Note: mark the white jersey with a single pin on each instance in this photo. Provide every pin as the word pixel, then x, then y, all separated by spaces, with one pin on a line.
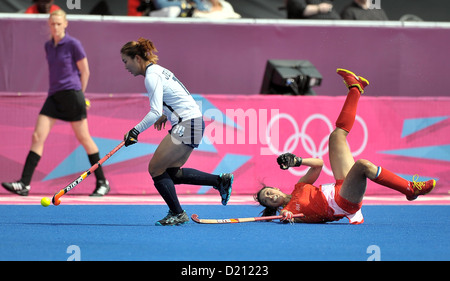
pixel 168 96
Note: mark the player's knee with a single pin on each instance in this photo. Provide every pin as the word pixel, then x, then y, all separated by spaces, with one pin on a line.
pixel 364 166
pixel 37 138
pixel 85 139
pixel 337 133
pixel 155 170
pixel 175 174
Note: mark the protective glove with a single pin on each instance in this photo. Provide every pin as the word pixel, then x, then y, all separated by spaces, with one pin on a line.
pixel 131 137
pixel 287 160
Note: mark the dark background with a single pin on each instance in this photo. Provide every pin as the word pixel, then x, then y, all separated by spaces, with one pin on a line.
pixel 430 10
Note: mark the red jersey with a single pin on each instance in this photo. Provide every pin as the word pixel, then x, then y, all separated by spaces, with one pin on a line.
pixel 311 201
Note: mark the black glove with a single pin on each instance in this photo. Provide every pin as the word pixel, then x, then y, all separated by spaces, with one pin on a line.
pixel 131 137
pixel 287 160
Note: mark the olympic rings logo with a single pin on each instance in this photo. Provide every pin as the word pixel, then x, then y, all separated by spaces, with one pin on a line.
pixel 307 142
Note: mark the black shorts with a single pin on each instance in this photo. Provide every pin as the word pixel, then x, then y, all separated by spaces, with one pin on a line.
pixel 189 132
pixel 67 105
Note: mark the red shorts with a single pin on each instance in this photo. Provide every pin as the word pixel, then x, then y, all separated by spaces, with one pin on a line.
pixel 344 203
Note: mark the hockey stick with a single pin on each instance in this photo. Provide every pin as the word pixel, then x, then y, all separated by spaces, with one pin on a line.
pixel 195 218
pixel 56 201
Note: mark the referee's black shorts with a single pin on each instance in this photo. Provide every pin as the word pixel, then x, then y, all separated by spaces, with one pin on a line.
pixel 67 105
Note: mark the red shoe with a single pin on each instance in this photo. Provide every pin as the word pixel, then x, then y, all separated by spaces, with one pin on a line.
pixel 420 187
pixel 352 80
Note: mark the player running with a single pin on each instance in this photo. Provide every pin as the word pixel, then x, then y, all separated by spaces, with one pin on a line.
pixel 331 202
pixel 170 100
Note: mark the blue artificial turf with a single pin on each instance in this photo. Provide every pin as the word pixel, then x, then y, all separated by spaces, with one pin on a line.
pixel 119 232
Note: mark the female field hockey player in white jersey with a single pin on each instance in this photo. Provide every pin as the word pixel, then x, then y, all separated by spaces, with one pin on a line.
pixel 170 100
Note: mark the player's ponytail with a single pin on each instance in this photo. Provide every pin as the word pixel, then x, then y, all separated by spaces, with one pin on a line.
pixel 143 48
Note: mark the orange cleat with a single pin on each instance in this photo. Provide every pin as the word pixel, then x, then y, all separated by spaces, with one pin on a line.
pixel 352 80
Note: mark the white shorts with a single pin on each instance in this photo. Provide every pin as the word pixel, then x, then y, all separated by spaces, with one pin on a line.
pixel 189 132
pixel 329 191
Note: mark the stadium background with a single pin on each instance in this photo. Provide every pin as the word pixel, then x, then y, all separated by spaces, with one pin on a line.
pixel 403 114
pixel 402 124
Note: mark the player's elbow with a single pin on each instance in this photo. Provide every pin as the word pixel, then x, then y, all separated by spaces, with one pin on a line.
pixel 316 163
pixel 156 113
pixel 320 162
pixel 84 75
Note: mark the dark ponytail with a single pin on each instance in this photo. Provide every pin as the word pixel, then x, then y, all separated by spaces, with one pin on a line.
pixel 268 211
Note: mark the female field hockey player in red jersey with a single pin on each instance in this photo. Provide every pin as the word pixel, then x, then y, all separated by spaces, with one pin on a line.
pixel 170 100
pixel 331 202
pixel 69 75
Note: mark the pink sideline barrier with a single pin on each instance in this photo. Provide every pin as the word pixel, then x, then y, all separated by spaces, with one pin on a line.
pixel 405 135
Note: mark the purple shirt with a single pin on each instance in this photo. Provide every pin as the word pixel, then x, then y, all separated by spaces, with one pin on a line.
pixel 62 64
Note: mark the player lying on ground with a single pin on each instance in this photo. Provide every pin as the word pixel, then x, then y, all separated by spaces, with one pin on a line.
pixel 170 100
pixel 331 202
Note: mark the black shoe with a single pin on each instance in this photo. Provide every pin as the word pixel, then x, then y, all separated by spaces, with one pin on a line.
pixel 173 219
pixel 224 188
pixel 17 187
pixel 101 189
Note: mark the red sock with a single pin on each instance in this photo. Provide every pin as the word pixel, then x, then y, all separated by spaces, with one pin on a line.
pixel 347 116
pixel 391 180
